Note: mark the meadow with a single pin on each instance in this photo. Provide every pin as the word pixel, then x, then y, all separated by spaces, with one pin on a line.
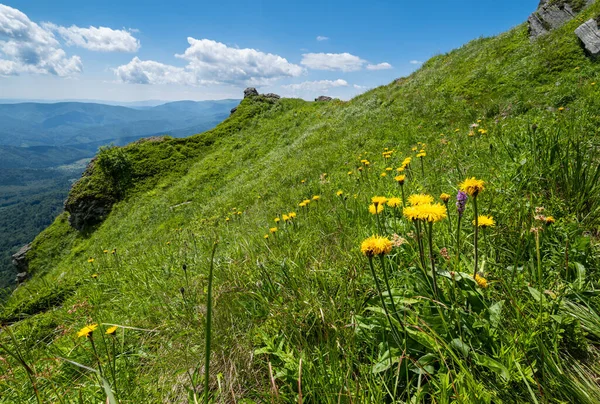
pixel 434 240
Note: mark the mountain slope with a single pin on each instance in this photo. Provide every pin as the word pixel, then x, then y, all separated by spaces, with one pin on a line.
pixel 297 313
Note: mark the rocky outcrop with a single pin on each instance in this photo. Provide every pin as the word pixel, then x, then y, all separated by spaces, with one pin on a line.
pixel 232 110
pixel 551 14
pixel 589 34
pixel 19 260
pixel 250 92
pixel 323 98
pixel 85 212
pixel 272 95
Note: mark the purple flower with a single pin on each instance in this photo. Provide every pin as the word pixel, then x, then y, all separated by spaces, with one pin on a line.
pixel 461 202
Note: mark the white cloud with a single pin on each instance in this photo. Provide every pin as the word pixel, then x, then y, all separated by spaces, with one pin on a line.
pixel 379 66
pixel 100 39
pixel 332 61
pixel 416 62
pixel 320 85
pixel 211 62
pixel 322 38
pixel 358 87
pixel 25 47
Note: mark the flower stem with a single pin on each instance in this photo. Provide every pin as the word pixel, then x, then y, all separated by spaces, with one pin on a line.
pixel 458 241
pixel 476 235
pixel 435 289
pixel 389 290
pixel 387 314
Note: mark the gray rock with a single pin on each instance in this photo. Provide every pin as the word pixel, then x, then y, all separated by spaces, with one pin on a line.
pixel 21 277
pixel 85 212
pixel 323 98
pixel 250 92
pixel 272 95
pixel 550 15
pixel 19 259
pixel 233 110
pixel 589 34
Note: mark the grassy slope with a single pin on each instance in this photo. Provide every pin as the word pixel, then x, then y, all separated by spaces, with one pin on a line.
pixel 297 294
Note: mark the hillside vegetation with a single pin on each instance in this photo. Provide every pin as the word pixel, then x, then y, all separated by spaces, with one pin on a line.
pixel 306 307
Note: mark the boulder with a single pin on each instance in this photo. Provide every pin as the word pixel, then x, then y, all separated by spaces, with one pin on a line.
pixel 85 212
pixel 272 95
pixel 233 110
pixel 250 92
pixel 19 259
pixel 551 14
pixel 323 98
pixel 589 34
pixel 21 277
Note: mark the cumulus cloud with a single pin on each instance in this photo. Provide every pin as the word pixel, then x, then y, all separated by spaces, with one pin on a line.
pixel 322 38
pixel 345 62
pixel 211 62
pixel 319 85
pixel 379 66
pixel 99 39
pixel 416 62
pixel 26 47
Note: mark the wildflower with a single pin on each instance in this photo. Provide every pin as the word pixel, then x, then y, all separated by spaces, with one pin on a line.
pixel 472 186
pixel 394 202
pixel 306 201
pixel 414 148
pixel 285 218
pixel 422 154
pixel 105 251
pixel 400 179
pixel 277 220
pixel 168 243
pixel 550 220
pixel 388 169
pixel 316 197
pixel 302 181
pixel 114 251
pixel 111 330
pixel 432 212
pixel 445 197
pixel 397 241
pixel 420 199
pixel 444 254
pixel 292 215
pixel 456 130
pixel 226 219
pixel 266 236
pixel 406 161
pixel 379 200
pixel 94 276
pixel 365 162
pixel 411 213
pixel 87 330
pixel 461 202
pixel 376 245
pixel 339 193
pixel 561 109
pixel 400 169
pixel 481 281
pixel 273 229
pixel 302 204
pixel 360 168
pixel 375 209
pixel 384 174
pixel 349 172
pixel 90 260
pixel 539 209
pixel 485 221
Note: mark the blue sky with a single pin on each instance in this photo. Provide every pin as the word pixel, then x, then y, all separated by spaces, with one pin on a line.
pixel 170 50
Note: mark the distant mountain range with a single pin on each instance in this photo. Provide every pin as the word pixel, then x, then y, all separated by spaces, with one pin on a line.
pixel 38 135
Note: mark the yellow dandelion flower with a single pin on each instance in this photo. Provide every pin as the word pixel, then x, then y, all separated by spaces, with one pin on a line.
pixel 114 251
pixel 285 218
pixel 360 168
pixel 105 251
pixel 561 109
pixel 350 172
pixel 400 179
pixel 485 221
pixel 316 197
pixel 550 219
pixel 266 236
pixel 375 209
pixel 292 215
pixel 420 199
pixel 365 162
pixel 432 212
pixel 302 181
pixel 302 204
pixel 376 245
pixel 339 193
pixel 94 276
pixel 306 201
pixel 400 169
pixel 379 200
pixel 384 174
pixel 422 154
pixel 411 213
pixel 111 330
pixel 388 169
pixel 406 161
pixel 456 130
pixel 445 197
pixel 90 260
pixel 273 229
pixel 394 202
pixel 87 330
pixel 277 220
pixel 226 219
pixel 168 243
pixel 481 281
pixel 472 186
pixel 414 148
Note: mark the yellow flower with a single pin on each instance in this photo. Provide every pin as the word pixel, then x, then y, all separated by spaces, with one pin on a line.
pixel 302 204
pixel 273 229
pixel 379 200
pixel 481 281
pixel 456 130
pixel 485 221
pixel 376 245
pixel 285 218
pixel 316 197
pixel 414 148
pixel 406 161
pixel 292 215
pixel 400 169
pixel 384 174
pixel 306 201
pixel 550 219
pixel 400 179
pixel 411 213
pixel 302 181
pixel 561 109
pixel 339 193
pixel 394 202
pixel 276 220
pixel 360 168
pixel 432 212
pixel 87 330
pixel 365 162
pixel 349 172
pixel 472 186
pixel 114 251
pixel 422 154
pixel 420 199
pixel 266 236
pixel 90 260
pixel 94 276
pixel 105 251
pixel 111 330
pixel 445 197
pixel 226 219
pixel 388 169
pixel 375 209
pixel 168 243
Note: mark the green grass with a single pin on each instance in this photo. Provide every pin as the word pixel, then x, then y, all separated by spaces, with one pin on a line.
pixel 298 315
